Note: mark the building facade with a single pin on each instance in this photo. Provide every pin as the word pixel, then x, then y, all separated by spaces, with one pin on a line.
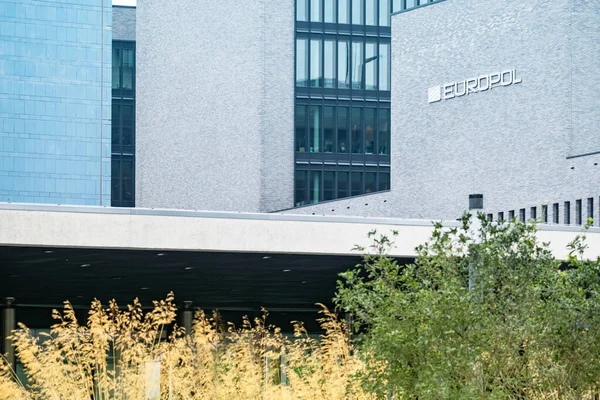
pixel 55 65
pixel 498 99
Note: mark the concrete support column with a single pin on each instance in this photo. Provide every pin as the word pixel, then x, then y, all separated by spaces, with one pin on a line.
pixel 186 316
pixel 9 323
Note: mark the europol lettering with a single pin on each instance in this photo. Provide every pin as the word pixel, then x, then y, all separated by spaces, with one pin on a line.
pixel 478 84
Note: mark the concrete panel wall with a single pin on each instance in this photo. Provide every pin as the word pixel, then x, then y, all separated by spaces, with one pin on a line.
pixel 511 143
pixel 55 82
pixel 123 23
pixel 214 105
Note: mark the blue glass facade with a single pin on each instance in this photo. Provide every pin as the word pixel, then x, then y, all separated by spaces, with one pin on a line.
pixel 55 101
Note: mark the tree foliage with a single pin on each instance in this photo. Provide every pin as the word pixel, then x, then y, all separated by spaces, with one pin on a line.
pixel 484 312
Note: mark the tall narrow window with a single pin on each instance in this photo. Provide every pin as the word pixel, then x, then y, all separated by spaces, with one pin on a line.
pixel 371 12
pixel 397 5
pixel 115 167
pixel 329 72
pixel 315 129
pixel 590 208
pixel 301 129
pixel 384 181
pixel 567 211
pixel 357 65
pixel 127 181
pixel 315 10
pixel 316 67
pixel 128 63
pixel 329 11
pixel 522 215
pixel 545 213
pixel 578 212
pixel 411 4
pixel 384 12
pixel 357 183
pixel 301 10
pixel 370 120
pixel 302 62
pixel 342 130
pixel 555 213
pixel 384 67
pixel 315 187
pixel 357 12
pixel 500 216
pixel 533 213
pixel 384 131
pixel 343 77
pixel 328 127
pixel 301 183
pixel 328 185
pixel 490 217
pixel 116 69
pixel 127 124
pixel 357 133
pixel 116 125
pixel 370 182
pixel 344 11
pixel 371 66
pixel 511 214
pixel 343 184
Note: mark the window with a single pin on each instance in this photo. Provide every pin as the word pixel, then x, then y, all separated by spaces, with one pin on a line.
pixel 122 181
pixel 500 216
pixel 423 2
pixel 329 73
pixel 330 11
pixel 301 129
pixel 371 12
pixel 116 68
pixel 357 12
pixel 567 210
pixel 545 214
pixel 578 212
pixel 490 217
pixel 301 10
pixel 302 62
pixel 522 215
pixel 533 213
pixel 357 183
pixel 315 129
pixel 384 67
pixel 357 135
pixel 370 119
pixel 328 185
pixel 384 131
pixel 357 65
pixel 301 186
pixel 397 5
pixel 342 129
pixel 344 11
pixel 384 181
pixel 411 4
pixel 127 124
pixel 128 63
pixel 384 12
pixel 555 213
pixel 370 182
pixel 370 66
pixel 315 187
pixel 315 10
pixel 343 186
pixel 590 208
pixel 328 129
pixel 511 214
pixel 343 77
pixel 316 72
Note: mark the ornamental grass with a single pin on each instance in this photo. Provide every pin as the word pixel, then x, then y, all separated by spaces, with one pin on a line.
pixel 132 354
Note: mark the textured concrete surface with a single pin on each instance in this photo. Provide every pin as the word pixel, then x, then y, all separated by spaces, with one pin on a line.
pixel 123 23
pixel 511 143
pixel 214 123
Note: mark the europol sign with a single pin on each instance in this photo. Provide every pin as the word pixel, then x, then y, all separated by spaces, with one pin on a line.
pixel 477 84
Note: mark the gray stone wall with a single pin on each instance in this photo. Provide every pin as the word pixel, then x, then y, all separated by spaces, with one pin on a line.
pixel 123 23
pixel 510 143
pixel 214 123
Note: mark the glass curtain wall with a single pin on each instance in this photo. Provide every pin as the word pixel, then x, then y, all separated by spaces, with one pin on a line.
pixel 123 125
pixel 343 82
